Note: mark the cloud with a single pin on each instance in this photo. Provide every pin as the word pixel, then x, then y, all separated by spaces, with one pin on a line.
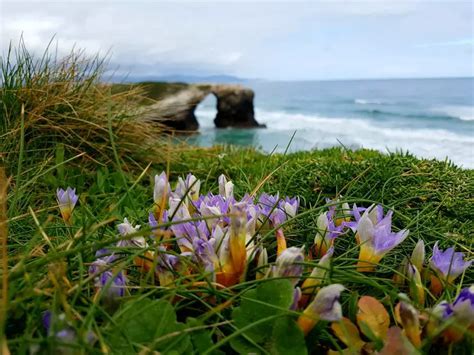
pixel 197 35
pixel 459 42
pixel 246 38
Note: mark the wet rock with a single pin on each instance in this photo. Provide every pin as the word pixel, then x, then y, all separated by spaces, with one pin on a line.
pixel 234 107
pixel 177 111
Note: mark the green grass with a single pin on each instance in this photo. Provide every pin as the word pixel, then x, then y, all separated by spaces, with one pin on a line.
pixel 438 191
pixel 60 126
pixel 433 199
pixel 48 100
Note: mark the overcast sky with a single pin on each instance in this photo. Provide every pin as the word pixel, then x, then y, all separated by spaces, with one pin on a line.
pixel 265 39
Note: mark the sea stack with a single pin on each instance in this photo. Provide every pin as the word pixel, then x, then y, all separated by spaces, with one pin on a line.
pixel 234 107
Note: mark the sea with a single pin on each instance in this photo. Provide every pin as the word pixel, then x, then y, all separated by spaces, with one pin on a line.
pixel 430 118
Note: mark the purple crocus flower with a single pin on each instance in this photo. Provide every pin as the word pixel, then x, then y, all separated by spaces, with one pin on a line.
pixel 376 239
pixel 247 204
pixel 375 215
pixel 58 327
pixel 188 189
pixel 103 258
pixel 125 229
pixel 327 232
pixel 267 204
pixel 463 306
pixel 220 242
pixel 226 188
pixel 166 261
pixel 289 264
pixel 153 223
pixel 466 295
pixel 161 189
pixel 441 311
pixel 318 273
pixel 460 313
pixel 167 266
pixel 67 200
pixel 325 306
pixel 186 232
pixel 47 315
pixel 448 264
pixel 278 217
pixel 205 256
pixel 296 299
pixel 214 205
pixel 290 206
pixel 277 210
pixel 157 232
pixel 344 211
pixel 114 283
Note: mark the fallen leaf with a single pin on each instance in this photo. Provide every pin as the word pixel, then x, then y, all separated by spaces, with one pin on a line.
pixel 372 318
pixel 348 333
pixel 397 344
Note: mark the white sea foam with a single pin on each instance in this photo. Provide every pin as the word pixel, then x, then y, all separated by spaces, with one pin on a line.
pixel 313 131
pixel 368 102
pixel 325 131
pixel 465 113
pixel 205 116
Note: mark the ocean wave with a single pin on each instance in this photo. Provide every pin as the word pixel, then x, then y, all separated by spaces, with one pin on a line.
pixel 370 102
pixel 288 121
pixel 357 132
pixel 435 115
pixel 315 131
pixel 464 113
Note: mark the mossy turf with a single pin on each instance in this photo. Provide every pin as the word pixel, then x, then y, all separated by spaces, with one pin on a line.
pixel 434 199
pixel 440 192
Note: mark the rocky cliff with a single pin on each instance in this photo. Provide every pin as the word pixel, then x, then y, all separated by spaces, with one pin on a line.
pixel 234 107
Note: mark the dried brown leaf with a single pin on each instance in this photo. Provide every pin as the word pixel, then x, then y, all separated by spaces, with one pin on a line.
pixel 372 318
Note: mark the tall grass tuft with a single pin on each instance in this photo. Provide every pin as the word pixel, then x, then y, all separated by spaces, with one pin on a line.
pixel 46 100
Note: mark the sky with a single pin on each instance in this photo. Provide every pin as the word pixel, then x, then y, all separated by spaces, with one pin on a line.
pixel 274 40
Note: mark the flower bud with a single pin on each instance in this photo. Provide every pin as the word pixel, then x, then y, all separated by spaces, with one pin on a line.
pixel 408 316
pixel 125 229
pixel 417 291
pixel 325 306
pixel 262 264
pixel 226 188
pixel 318 274
pixel 418 255
pixel 67 200
pixel 447 266
pixel 161 190
pixel 289 264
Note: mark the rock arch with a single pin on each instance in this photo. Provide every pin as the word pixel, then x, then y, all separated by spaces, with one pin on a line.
pixel 235 107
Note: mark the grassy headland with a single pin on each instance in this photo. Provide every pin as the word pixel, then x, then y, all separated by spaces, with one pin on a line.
pixel 62 127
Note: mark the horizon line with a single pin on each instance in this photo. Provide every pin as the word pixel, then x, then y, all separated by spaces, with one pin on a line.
pixel 156 78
